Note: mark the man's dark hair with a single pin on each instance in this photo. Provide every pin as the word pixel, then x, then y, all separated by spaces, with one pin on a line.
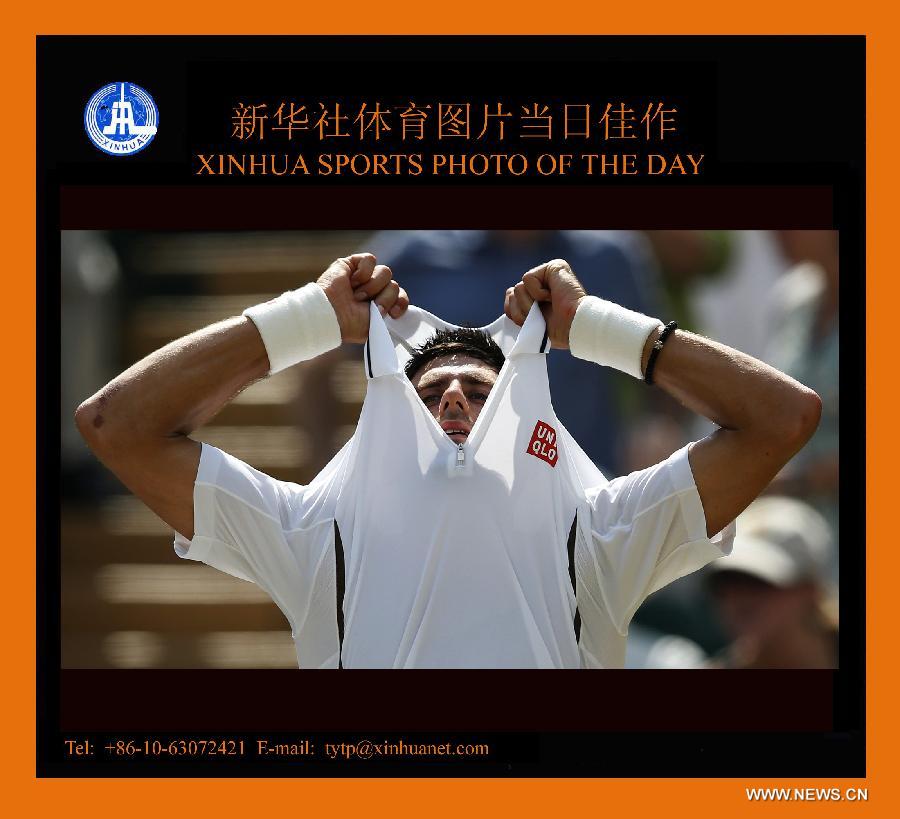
pixel 460 341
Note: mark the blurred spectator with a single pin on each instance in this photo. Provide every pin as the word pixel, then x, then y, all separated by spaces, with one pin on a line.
pixel 686 258
pixel 647 648
pixel 462 275
pixel 805 344
pixel 735 306
pixel 89 276
pixel 772 592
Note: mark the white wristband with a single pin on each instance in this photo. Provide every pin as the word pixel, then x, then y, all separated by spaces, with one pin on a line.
pixel 296 326
pixel 611 335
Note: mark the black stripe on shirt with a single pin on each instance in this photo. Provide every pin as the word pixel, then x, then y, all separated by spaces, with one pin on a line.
pixel 571 548
pixel 339 583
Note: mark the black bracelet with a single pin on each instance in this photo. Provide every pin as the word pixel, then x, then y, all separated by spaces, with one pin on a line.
pixel 657 346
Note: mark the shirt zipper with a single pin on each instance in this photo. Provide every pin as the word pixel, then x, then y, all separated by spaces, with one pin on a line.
pixel 460 456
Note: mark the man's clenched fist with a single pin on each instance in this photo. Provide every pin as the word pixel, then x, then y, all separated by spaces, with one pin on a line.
pixel 351 283
pixel 559 292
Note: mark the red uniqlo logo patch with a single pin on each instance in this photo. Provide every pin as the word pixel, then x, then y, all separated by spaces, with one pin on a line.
pixel 543 443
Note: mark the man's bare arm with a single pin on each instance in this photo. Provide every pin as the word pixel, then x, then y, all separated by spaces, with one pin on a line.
pixel 138 424
pixel 765 417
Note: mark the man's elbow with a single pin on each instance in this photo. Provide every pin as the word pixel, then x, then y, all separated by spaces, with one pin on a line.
pixel 802 419
pixel 88 420
pixel 93 421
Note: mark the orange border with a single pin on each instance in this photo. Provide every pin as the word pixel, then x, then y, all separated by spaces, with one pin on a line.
pixel 138 798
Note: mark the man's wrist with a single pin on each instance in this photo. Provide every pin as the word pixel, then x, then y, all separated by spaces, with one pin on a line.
pixel 648 347
pixel 296 326
pixel 611 335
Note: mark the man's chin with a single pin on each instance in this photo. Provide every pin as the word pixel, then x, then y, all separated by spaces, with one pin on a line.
pixel 459 437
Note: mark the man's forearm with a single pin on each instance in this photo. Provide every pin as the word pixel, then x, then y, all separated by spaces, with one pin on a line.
pixel 731 389
pixel 180 387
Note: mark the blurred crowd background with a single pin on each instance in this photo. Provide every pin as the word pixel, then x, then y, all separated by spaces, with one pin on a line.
pixel 129 602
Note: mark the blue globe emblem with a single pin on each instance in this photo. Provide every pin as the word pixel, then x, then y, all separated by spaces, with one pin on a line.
pixel 121 118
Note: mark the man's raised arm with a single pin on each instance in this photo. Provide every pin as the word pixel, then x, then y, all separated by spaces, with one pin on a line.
pixel 138 424
pixel 764 416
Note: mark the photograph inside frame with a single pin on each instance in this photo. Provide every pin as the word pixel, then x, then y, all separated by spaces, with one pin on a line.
pixel 560 532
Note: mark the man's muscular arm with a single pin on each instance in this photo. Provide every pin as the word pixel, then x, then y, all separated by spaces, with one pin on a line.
pixel 764 416
pixel 138 424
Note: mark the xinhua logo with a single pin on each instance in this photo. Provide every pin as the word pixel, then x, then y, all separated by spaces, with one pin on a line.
pixel 121 118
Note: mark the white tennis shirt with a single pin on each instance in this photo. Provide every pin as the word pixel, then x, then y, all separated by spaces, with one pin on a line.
pixel 454 556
